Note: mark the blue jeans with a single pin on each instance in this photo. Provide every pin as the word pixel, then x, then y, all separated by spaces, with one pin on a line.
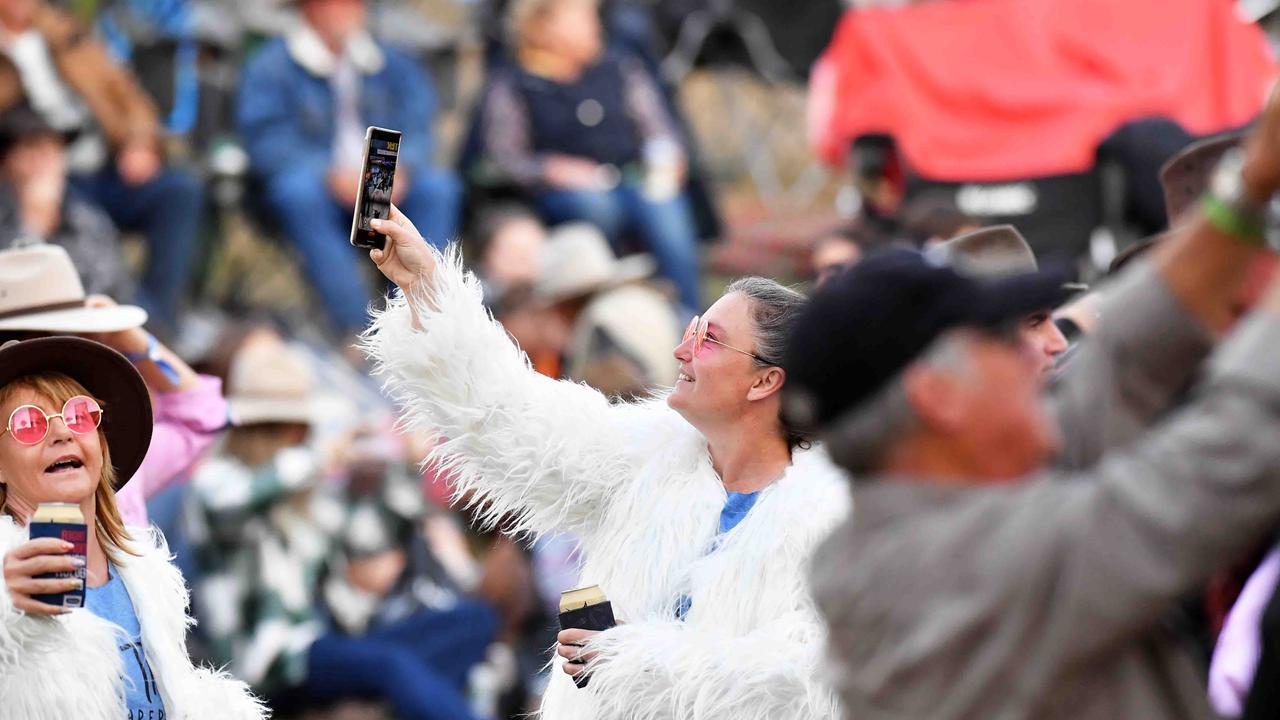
pixel 665 227
pixel 320 228
pixel 167 210
pixel 419 664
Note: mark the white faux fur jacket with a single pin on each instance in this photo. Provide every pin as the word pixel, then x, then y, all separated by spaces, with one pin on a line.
pixel 634 483
pixel 54 668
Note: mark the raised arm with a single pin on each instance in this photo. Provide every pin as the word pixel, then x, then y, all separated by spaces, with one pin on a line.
pixel 551 452
pixel 1139 362
pixel 1156 520
pixel 1157 325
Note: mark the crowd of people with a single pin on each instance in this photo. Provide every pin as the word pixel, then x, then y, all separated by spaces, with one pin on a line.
pixel 941 479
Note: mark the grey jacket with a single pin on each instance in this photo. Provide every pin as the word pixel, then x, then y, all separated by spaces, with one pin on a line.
pixel 1046 599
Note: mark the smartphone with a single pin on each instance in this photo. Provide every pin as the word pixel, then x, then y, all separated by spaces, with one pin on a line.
pixel 373 197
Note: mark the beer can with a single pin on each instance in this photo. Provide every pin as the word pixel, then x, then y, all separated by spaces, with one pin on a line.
pixel 63 521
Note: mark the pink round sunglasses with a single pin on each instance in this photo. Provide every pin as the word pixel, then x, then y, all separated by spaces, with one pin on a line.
pixel 29 424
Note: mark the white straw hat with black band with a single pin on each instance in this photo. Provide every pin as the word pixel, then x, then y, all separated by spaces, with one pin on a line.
pixel 40 290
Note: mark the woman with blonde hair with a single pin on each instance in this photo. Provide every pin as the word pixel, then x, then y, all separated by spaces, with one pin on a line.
pixel 78 420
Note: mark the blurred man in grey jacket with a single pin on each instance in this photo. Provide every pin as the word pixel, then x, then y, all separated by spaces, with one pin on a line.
pixel 1005 561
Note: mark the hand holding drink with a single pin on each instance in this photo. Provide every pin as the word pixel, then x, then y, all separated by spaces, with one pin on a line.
pixel 584 613
pixel 45 576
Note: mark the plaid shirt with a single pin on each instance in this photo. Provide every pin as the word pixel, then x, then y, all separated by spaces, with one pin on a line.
pixel 384 508
pixel 264 537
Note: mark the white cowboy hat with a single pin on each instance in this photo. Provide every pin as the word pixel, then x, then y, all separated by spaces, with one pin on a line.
pixel 40 290
pixel 576 261
pixel 635 322
pixel 269 382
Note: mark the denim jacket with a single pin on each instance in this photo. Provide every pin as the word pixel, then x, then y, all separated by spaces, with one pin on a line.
pixel 285 113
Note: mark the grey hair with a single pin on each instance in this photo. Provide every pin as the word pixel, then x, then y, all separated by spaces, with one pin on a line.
pixel 860 439
pixel 774 310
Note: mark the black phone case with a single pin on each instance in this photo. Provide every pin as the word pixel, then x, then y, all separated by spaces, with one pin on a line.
pixel 367 239
pixel 591 617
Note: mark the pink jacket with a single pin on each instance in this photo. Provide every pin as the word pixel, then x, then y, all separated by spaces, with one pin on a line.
pixel 186 423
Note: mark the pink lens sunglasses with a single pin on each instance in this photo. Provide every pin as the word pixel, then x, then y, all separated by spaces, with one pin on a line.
pixel 29 424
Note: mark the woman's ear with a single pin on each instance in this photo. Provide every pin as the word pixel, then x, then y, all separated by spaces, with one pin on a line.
pixel 767 383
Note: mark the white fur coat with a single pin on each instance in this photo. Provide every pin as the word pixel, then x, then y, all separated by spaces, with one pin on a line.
pixel 53 668
pixel 635 483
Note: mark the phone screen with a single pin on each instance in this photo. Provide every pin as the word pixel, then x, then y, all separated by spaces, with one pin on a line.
pixel 373 200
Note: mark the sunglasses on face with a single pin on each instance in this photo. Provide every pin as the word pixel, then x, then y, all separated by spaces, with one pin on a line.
pixel 29 425
pixel 698 331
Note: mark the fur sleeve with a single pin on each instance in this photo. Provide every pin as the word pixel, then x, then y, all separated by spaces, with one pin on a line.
pixel 222 697
pixel 551 452
pixel 660 670
pixel 18 631
pixel 35 652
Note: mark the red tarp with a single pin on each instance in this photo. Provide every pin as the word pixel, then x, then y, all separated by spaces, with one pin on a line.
pixel 1000 89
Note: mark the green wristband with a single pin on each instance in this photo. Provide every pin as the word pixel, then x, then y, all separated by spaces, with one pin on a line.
pixel 1246 227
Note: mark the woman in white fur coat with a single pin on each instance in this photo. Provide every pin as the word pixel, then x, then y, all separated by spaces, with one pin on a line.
pixel 77 416
pixel 697 512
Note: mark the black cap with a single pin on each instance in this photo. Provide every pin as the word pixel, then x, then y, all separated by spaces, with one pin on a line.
pixel 869 323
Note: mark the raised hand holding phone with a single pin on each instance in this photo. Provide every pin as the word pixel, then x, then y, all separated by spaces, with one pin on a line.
pixel 406 259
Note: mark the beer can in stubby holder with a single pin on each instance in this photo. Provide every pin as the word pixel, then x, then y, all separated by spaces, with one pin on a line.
pixel 65 522
pixel 585 609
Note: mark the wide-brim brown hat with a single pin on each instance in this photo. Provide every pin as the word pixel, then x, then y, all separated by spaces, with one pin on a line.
pixel 995 252
pixel 1185 177
pixel 112 380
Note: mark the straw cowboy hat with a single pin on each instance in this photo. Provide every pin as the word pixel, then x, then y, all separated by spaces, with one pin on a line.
pixel 40 290
pixel 270 383
pixel 576 261
pixel 107 375
pixel 995 252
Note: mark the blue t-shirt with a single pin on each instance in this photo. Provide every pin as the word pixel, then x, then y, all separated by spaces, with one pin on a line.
pixel 736 507
pixel 111 602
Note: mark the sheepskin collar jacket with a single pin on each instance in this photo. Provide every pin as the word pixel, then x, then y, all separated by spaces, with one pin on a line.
pixel 53 668
pixel 635 484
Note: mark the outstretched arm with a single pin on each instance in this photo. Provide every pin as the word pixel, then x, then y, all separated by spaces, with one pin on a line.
pixel 1154 520
pixel 1158 323
pixel 551 452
